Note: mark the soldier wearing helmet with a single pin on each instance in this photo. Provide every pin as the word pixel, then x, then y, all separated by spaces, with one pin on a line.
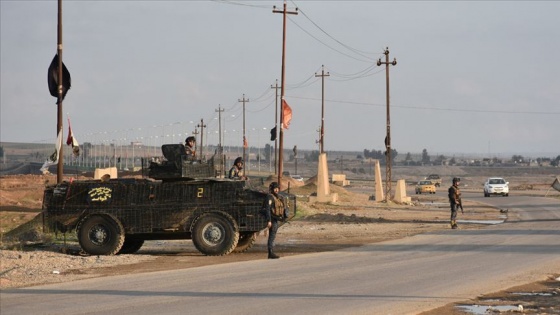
pixel 235 171
pixel 454 201
pixel 190 149
pixel 274 210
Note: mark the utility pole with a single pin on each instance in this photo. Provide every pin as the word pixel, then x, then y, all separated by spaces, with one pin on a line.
pixel 219 111
pixel 244 100
pixel 388 136
pixel 276 87
pixel 284 11
pixel 201 126
pixel 322 137
pixel 60 170
pixel 195 133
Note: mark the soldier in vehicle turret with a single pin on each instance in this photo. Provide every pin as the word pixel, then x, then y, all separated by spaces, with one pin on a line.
pixel 236 170
pixel 190 149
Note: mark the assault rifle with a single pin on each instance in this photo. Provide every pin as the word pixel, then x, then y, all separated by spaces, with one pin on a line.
pixel 461 206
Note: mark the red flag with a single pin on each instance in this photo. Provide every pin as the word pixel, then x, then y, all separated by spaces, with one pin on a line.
pixel 71 140
pixel 245 144
pixel 286 114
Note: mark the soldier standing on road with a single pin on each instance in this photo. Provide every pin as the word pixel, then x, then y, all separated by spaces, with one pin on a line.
pixel 454 200
pixel 190 149
pixel 234 172
pixel 274 210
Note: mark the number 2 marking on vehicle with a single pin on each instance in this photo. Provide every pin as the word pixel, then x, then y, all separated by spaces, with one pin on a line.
pixel 200 192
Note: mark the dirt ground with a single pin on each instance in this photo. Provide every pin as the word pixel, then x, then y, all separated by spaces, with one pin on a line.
pixel 29 258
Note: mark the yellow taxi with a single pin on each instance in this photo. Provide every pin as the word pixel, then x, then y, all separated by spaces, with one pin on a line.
pixel 425 186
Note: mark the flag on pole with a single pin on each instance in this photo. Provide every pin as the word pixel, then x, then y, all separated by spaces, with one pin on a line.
pixel 287 114
pixel 273 134
pixel 71 140
pixel 53 158
pixel 245 143
pixel 52 78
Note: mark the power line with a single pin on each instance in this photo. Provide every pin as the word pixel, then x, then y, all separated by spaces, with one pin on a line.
pixel 261 6
pixel 356 51
pixel 431 108
pixel 338 51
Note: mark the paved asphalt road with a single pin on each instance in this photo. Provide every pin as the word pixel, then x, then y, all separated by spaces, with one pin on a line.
pixel 404 276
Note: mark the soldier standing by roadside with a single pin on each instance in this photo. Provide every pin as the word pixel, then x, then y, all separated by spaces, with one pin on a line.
pixel 454 200
pixel 274 210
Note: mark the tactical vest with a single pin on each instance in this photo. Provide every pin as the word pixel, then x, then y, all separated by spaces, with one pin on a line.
pixel 278 209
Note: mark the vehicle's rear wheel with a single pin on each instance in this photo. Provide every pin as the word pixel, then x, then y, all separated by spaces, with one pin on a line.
pixel 215 234
pixel 246 241
pixel 101 235
pixel 131 246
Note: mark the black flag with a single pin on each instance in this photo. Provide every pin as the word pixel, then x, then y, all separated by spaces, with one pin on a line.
pixel 273 134
pixel 52 78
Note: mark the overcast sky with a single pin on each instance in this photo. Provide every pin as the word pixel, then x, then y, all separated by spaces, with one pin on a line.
pixel 471 76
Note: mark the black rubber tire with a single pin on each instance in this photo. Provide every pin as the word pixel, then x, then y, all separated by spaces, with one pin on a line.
pixel 101 235
pixel 131 246
pixel 215 234
pixel 246 241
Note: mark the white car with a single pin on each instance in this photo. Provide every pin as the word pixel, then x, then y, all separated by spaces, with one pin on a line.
pixel 298 178
pixel 496 186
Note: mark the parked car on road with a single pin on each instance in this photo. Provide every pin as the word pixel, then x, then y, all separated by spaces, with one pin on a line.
pixel 435 179
pixel 298 178
pixel 496 186
pixel 425 186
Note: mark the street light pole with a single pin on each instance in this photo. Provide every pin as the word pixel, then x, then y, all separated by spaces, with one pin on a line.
pixel 219 110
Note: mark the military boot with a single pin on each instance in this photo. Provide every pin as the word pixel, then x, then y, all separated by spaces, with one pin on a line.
pixel 272 255
pixel 454 224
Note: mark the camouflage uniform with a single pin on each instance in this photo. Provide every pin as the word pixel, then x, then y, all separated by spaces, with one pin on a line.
pixel 234 173
pixel 189 148
pixel 191 154
pixel 454 201
pixel 236 169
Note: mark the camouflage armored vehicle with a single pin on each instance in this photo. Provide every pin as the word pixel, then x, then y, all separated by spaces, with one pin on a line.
pixel 116 216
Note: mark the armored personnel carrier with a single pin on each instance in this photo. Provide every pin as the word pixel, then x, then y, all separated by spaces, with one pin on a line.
pixel 180 200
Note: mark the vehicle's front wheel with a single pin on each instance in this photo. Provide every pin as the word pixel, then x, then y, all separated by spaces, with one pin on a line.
pixel 215 234
pixel 246 241
pixel 101 235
